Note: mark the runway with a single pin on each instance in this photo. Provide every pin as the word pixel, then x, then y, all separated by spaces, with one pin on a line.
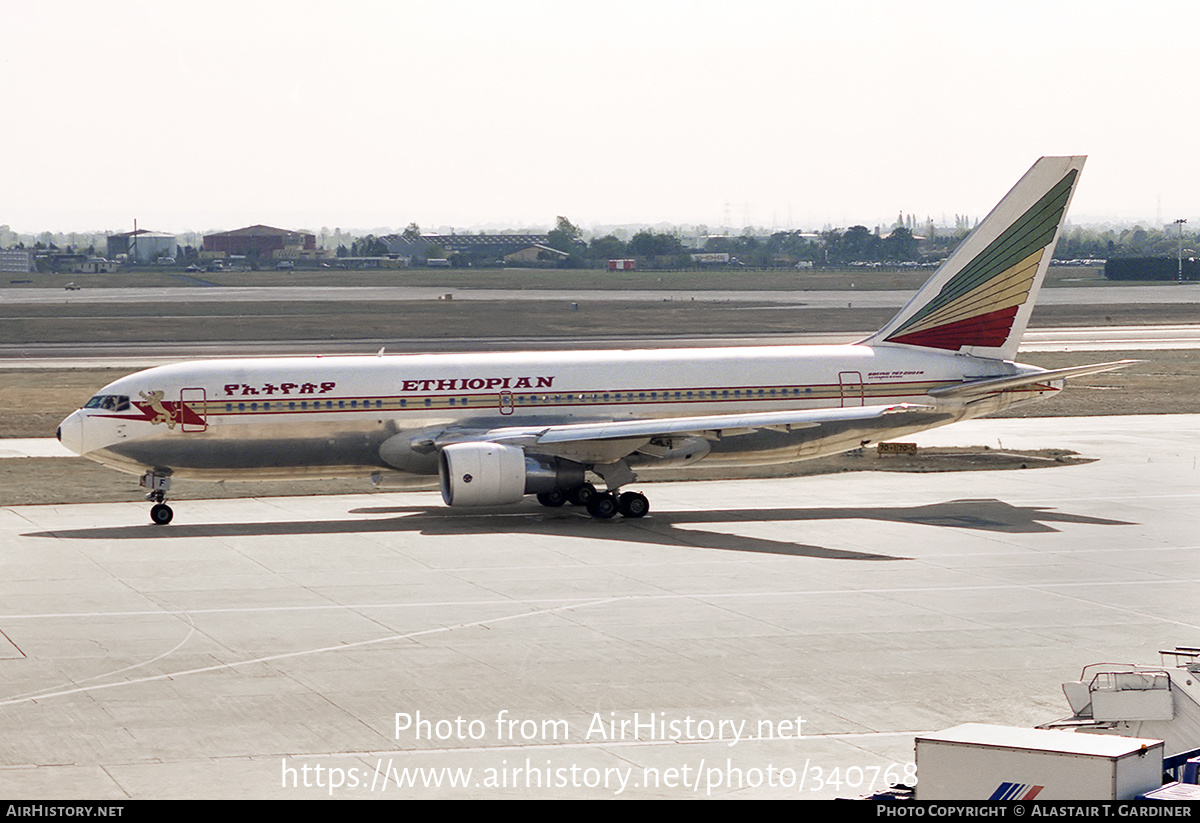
pixel 820 298
pixel 774 638
pixel 143 355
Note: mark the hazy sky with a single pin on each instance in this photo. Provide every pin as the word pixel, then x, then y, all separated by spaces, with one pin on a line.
pixel 215 114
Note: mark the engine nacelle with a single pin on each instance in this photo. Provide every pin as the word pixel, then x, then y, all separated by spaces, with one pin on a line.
pixel 492 474
pixel 482 474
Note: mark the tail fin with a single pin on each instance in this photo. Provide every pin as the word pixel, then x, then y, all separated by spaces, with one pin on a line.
pixel 980 299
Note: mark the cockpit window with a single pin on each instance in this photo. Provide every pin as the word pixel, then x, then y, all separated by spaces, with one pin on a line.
pixel 108 402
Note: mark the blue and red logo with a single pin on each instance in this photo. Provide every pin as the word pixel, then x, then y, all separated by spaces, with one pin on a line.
pixel 1016 791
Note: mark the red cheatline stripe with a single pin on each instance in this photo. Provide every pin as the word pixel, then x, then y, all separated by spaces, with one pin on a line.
pixel 989 329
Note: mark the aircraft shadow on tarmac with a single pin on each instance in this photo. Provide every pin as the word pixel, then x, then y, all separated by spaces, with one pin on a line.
pixel 666 528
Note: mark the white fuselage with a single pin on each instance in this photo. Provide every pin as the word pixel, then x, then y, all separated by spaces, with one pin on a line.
pixel 276 418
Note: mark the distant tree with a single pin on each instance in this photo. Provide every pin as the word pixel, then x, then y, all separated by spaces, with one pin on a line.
pixel 900 245
pixel 369 246
pixel 642 244
pixel 565 236
pixel 858 243
pixel 831 246
pixel 650 244
pixel 749 249
pixel 608 247
pixel 788 247
pixel 412 232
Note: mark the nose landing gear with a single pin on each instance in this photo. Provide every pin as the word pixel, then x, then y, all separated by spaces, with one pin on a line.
pixel 161 514
pixel 159 485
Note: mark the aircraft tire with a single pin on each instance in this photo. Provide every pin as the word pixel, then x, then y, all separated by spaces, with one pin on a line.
pixel 582 495
pixel 602 506
pixel 633 504
pixel 553 499
pixel 161 514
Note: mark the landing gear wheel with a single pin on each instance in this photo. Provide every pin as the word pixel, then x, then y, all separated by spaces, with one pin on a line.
pixel 582 495
pixel 633 504
pixel 603 506
pixel 553 499
pixel 161 514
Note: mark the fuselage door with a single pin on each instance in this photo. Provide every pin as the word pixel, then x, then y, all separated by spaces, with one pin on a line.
pixel 852 388
pixel 193 410
pixel 506 402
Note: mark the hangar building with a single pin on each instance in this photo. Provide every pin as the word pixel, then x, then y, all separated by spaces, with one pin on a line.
pixel 261 243
pixel 142 245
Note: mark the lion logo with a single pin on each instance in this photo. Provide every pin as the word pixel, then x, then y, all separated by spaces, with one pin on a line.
pixel 154 400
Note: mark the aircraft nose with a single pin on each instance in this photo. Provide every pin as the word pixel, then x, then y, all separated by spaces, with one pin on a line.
pixel 70 432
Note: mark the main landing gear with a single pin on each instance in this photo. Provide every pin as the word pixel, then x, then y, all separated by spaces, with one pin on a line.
pixel 607 505
pixel 601 505
pixel 159 485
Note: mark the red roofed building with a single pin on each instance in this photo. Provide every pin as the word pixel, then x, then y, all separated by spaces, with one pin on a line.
pixel 261 242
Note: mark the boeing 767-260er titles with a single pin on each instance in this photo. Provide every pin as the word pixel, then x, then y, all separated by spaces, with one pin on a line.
pixel 498 426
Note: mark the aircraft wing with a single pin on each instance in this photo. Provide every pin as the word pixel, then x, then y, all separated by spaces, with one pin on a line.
pixel 974 388
pixel 715 425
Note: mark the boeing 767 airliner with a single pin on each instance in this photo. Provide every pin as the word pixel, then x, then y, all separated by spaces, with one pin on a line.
pixel 498 426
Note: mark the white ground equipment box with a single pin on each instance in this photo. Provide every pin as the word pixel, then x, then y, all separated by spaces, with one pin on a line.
pixel 980 762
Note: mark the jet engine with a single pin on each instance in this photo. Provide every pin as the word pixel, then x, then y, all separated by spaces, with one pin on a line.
pixel 492 474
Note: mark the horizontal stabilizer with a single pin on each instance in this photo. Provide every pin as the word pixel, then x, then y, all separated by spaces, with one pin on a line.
pixel 991 385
